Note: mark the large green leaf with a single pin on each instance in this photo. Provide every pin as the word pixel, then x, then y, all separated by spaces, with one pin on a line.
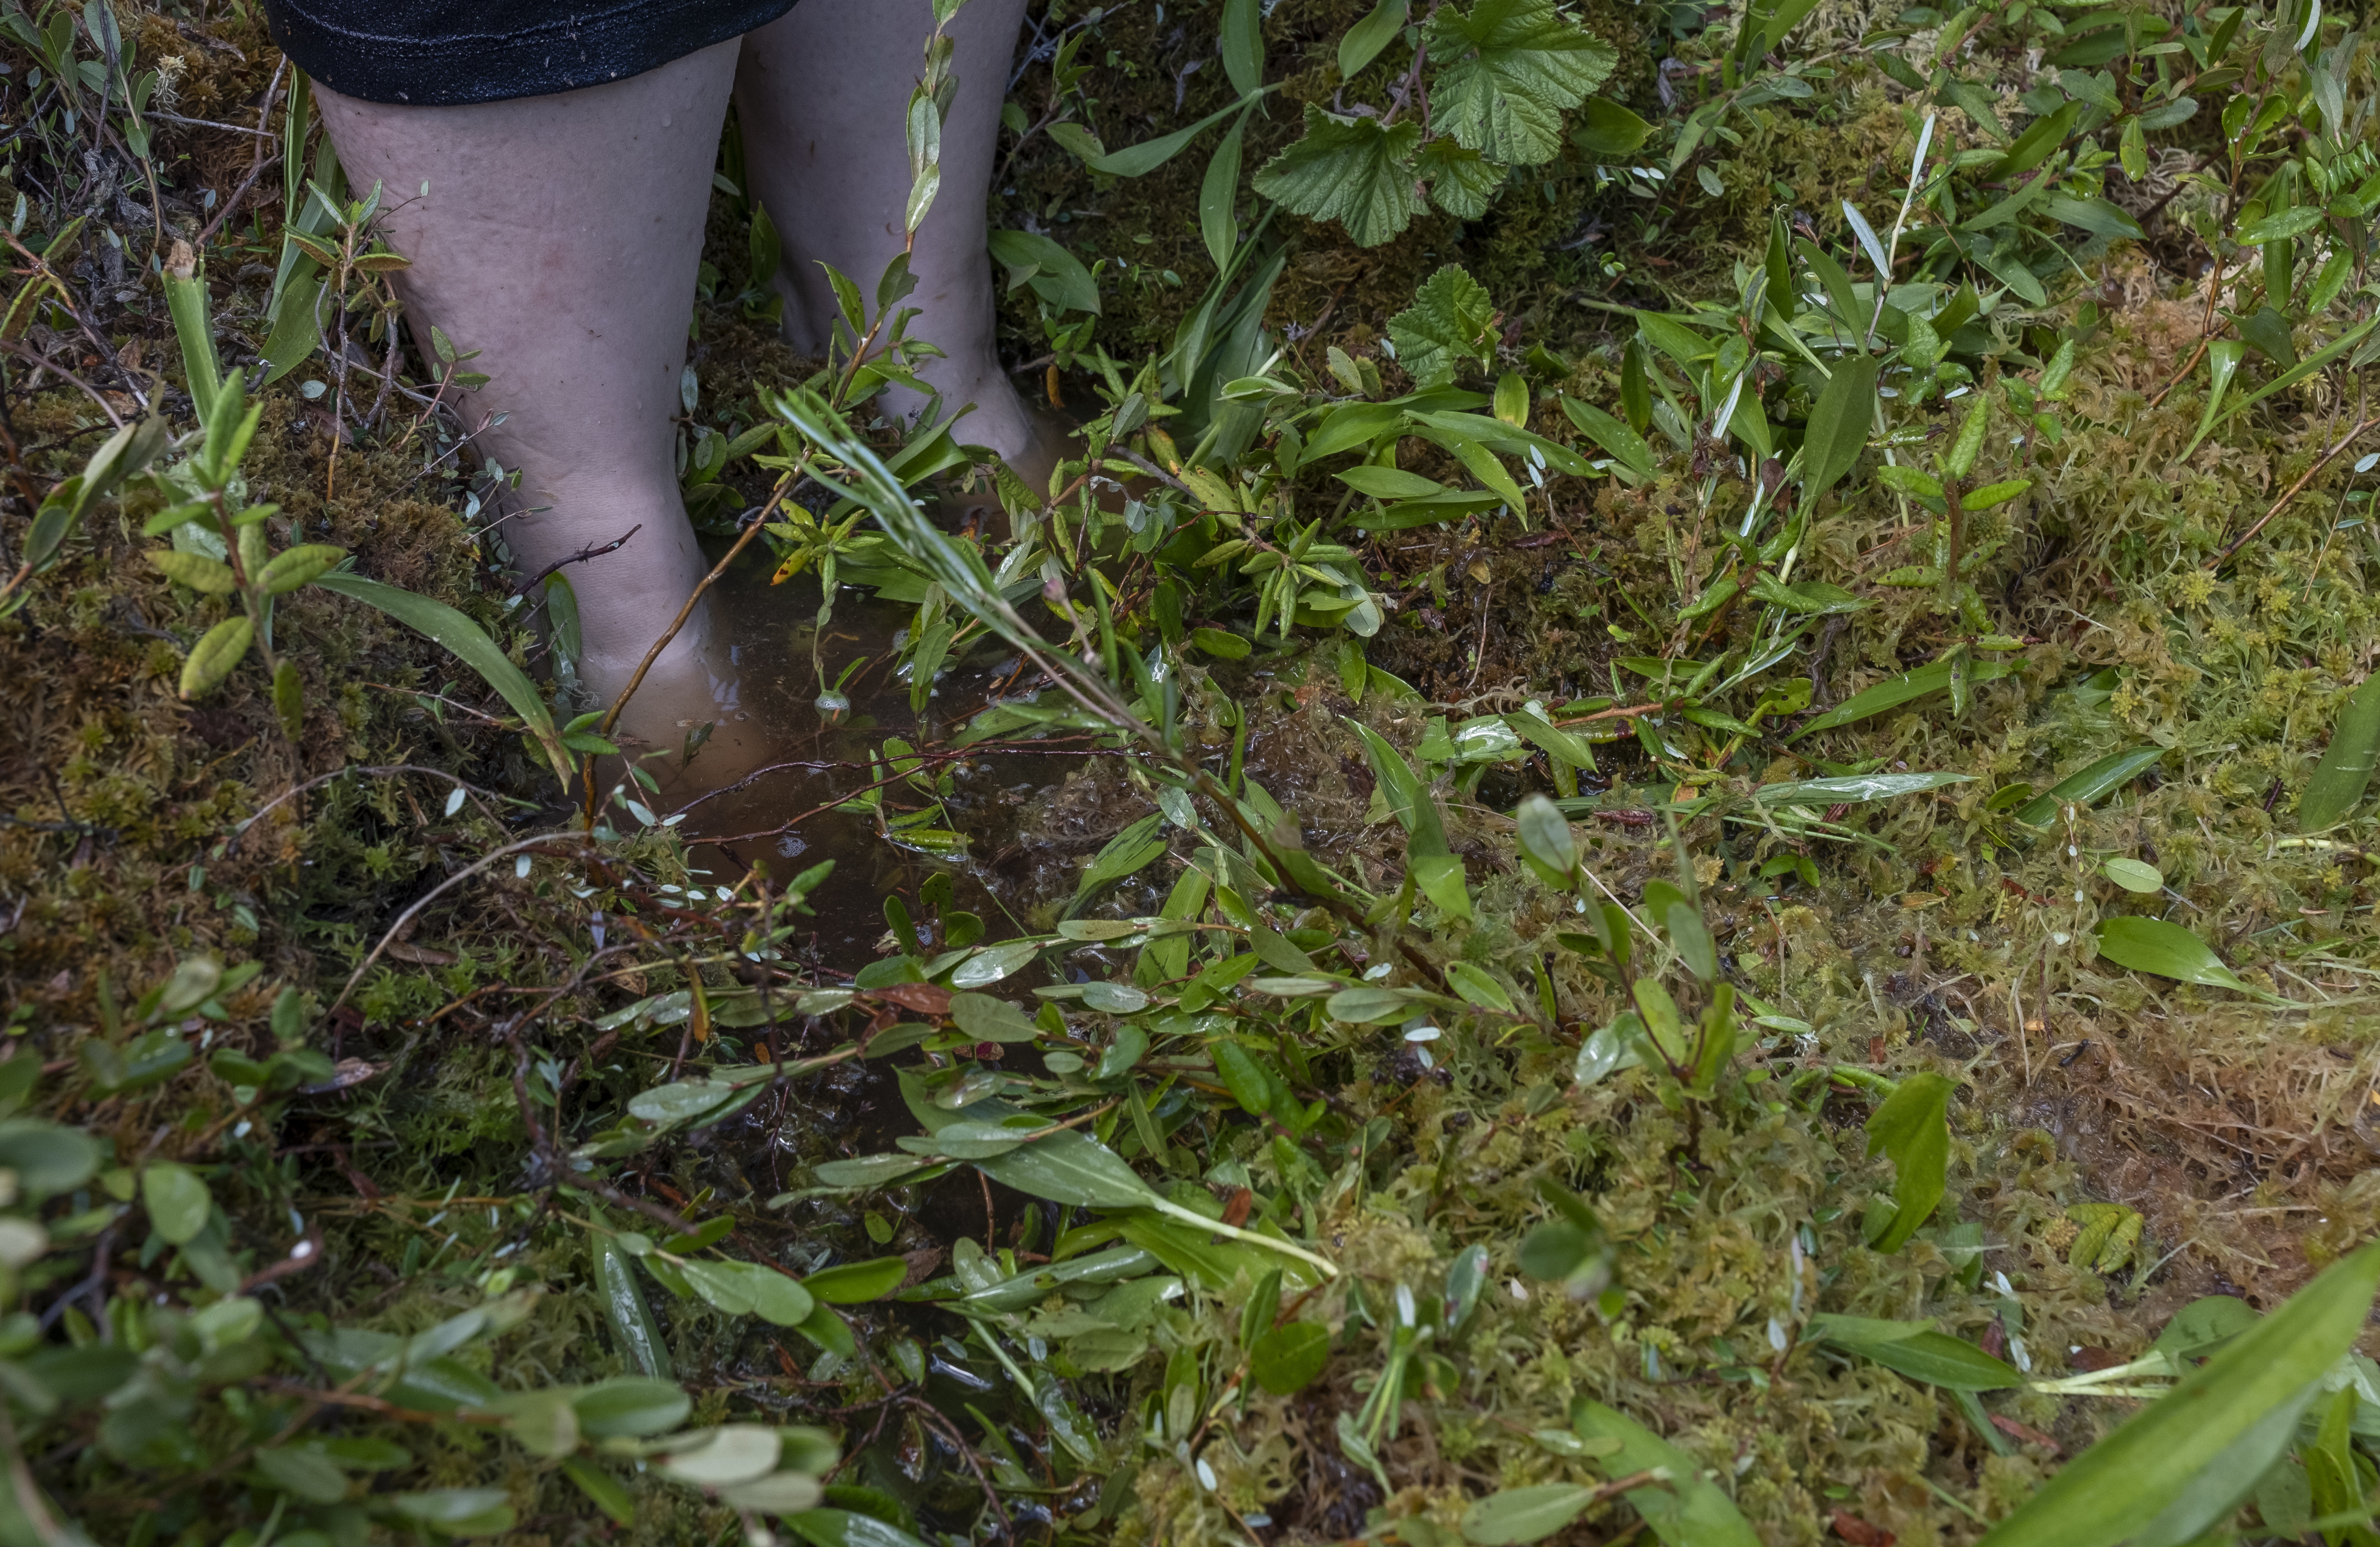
pixel 1355 171
pixel 1893 691
pixel 2167 949
pixel 1912 1128
pixel 2187 1460
pixel 839 1528
pixel 1689 1510
pixel 1517 1515
pixel 468 643
pixel 1506 72
pixel 1917 1350
pixel 1840 423
pixel 2345 767
pixel 2090 785
pixel 1451 321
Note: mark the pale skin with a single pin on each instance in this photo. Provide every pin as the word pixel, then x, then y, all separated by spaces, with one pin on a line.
pixel 559 237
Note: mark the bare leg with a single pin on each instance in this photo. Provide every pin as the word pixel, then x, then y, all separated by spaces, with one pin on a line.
pixel 560 236
pixel 820 93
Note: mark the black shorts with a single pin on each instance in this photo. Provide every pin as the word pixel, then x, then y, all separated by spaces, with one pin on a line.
pixel 435 53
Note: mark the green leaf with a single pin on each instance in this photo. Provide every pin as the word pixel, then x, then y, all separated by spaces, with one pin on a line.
pixel 207 577
pixel 1916 1350
pixel 1517 1515
pixel 297 565
pixel 1840 423
pixel 1895 691
pixel 719 1457
pixel 1606 128
pixel 2090 785
pixel 871 1170
pixel 838 1527
pixel 604 1490
pixel 1476 987
pixel 1368 1004
pixel 1450 322
pixel 217 651
pixel 2282 226
pixel 2188 1460
pixel 2134 875
pixel 468 643
pixel 1912 1128
pixel 629 1406
pixel 1134 161
pixel 1056 275
pixel 1222 643
pixel 2340 779
pixel 1355 171
pixel 1127 852
pixel 1288 1358
pixel 1506 72
pixel 1363 42
pixel 988 1018
pixel 1545 842
pixel 1389 483
pixel 2167 949
pixel 1854 788
pixel 1992 494
pixel 857 1282
pixel 1219 197
pixel 302 1473
pixel 2095 216
pixel 1689 1510
pixel 1242 45
pixel 177 1201
pixel 456 1511
pixel 1461 181
pixel 1070 1168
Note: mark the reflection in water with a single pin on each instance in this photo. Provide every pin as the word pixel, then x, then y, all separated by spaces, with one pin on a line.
pixel 823 792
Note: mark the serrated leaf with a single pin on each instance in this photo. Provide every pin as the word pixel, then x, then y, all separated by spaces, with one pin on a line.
pixel 1461 180
pixel 1451 321
pixel 1506 72
pixel 1355 171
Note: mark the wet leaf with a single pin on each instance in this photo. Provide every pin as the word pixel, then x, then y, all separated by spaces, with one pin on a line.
pixel 2167 949
pixel 995 962
pixel 839 1528
pixel 988 1018
pixel 857 1282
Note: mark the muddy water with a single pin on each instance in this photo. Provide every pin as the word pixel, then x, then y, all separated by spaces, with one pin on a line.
pixel 791 815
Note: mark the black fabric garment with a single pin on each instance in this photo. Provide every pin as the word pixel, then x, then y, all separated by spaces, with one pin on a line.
pixel 441 52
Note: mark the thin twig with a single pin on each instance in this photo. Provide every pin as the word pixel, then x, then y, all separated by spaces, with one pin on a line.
pixel 2294 491
pixel 591 552
pixel 752 530
pixel 255 168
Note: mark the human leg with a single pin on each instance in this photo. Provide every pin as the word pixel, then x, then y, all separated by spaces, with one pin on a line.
pixel 559 237
pixel 820 93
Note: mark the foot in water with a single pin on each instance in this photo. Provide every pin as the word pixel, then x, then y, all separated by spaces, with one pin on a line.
pixel 556 240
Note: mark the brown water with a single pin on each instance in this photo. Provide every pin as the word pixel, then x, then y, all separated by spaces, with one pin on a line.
pixel 786 816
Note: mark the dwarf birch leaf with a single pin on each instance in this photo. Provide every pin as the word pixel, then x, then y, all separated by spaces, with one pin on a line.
pixel 1350 170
